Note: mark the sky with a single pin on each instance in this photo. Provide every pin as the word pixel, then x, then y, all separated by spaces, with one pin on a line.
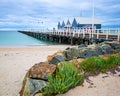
pixel 45 14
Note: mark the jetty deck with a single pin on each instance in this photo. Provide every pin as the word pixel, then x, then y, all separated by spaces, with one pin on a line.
pixel 76 36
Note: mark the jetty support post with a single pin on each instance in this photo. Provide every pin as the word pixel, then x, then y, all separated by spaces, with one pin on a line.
pixel 98 34
pixel 108 31
pixel 60 39
pixel 71 37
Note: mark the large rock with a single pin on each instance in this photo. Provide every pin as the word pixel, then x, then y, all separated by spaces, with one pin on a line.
pixel 36 77
pixel 33 86
pixel 41 70
pixel 57 59
pixel 114 45
pixel 92 50
pixel 88 53
pixel 71 53
pixel 82 45
pixel 50 57
pixel 98 50
pixel 106 49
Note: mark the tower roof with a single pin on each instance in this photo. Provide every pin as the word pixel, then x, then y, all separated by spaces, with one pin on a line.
pixel 81 20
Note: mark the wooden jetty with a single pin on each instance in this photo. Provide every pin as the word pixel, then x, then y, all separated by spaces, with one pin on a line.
pixel 76 36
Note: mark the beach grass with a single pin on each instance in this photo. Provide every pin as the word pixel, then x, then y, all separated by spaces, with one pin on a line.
pixel 66 76
pixel 98 64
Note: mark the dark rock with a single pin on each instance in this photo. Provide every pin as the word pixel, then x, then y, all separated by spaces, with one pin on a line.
pixel 32 86
pixel 71 53
pixel 33 80
pixel 50 57
pixel 88 53
pixel 106 49
pixel 99 50
pixel 114 45
pixel 57 59
pixel 67 48
pixel 82 45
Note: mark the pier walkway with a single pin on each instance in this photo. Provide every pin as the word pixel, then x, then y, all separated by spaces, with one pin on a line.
pixel 76 36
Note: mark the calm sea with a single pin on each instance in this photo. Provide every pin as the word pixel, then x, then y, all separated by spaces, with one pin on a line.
pixel 14 38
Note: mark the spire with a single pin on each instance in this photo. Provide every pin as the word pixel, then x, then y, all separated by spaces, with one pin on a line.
pixel 59 26
pixel 74 23
pixel 63 24
pixel 68 22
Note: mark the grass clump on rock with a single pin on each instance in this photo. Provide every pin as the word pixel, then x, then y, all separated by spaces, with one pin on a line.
pixel 66 76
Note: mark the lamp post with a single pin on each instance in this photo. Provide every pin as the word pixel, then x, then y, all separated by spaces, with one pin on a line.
pixel 92 13
pixel 92 17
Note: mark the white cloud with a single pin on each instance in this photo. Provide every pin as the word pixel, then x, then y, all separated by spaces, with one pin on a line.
pixel 32 13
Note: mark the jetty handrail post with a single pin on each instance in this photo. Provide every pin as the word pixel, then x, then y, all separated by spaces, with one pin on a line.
pixel 78 33
pixel 90 31
pixel 73 33
pixel 119 35
pixel 98 33
pixel 65 33
pixel 83 32
pixel 108 31
pixel 60 33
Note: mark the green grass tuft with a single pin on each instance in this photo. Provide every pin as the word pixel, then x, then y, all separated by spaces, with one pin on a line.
pixel 98 64
pixel 67 76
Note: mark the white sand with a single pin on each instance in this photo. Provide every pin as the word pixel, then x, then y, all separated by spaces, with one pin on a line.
pixel 15 61
pixel 108 86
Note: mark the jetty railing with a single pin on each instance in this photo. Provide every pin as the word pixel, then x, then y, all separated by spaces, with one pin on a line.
pixel 112 34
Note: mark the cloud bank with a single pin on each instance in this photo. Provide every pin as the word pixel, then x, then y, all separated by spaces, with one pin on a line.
pixel 39 14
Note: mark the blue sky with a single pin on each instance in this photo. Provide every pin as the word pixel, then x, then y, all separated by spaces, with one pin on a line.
pixel 36 14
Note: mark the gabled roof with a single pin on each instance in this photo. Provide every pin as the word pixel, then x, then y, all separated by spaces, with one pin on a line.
pixel 63 24
pixel 68 22
pixel 74 23
pixel 81 20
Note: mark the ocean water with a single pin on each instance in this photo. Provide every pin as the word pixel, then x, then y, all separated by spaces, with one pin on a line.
pixel 14 38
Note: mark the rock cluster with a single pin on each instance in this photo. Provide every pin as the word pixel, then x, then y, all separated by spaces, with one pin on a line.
pixel 84 51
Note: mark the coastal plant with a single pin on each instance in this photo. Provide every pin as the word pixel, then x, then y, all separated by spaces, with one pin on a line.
pixel 66 76
pixel 93 64
pixel 113 61
pixel 98 64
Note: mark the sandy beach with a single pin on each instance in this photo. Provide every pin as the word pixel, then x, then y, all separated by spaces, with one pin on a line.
pixel 15 61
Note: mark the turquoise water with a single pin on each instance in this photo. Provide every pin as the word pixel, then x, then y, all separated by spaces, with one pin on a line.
pixel 14 38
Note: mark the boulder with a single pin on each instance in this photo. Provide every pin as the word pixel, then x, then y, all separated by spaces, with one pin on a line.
pixel 82 45
pixel 88 53
pixel 57 59
pixel 33 86
pixel 50 57
pixel 67 48
pixel 106 49
pixel 99 50
pixel 114 45
pixel 71 53
pixel 41 70
pixel 36 78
